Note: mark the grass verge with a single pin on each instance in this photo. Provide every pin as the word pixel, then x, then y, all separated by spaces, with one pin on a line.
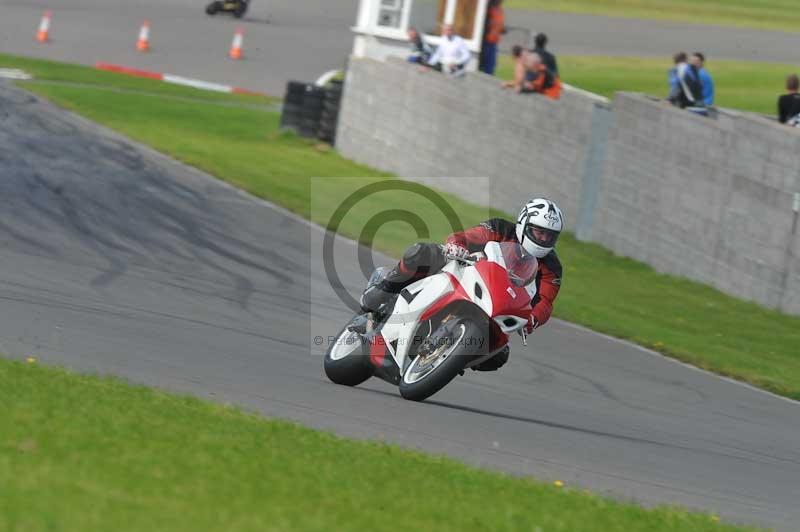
pixel 54 71
pixel 761 14
pixel 748 86
pixel 85 453
pixel 610 294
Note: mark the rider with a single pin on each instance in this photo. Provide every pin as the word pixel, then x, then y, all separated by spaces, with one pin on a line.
pixel 536 230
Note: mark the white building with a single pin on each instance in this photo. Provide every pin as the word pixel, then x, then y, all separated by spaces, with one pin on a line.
pixel 382 25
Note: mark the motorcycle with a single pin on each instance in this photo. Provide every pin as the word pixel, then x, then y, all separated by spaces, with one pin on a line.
pixel 440 325
pixel 237 7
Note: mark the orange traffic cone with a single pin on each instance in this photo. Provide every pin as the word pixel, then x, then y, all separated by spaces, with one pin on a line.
pixel 237 44
pixel 43 35
pixel 143 44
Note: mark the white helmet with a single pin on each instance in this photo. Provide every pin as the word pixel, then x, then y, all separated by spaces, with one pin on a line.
pixel 538 226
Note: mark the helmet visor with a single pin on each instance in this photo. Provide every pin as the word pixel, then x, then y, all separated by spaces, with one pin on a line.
pixel 542 236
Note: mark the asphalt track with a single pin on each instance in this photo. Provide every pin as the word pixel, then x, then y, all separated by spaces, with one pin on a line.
pixel 115 259
pixel 291 39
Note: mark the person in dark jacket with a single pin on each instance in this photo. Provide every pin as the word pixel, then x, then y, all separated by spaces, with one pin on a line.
pixel 420 50
pixel 548 59
pixel 789 103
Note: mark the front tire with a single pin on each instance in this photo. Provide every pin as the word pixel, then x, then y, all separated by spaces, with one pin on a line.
pixel 425 375
pixel 212 8
pixel 345 362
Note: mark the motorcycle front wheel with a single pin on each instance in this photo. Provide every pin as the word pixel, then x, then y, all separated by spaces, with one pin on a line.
pixel 429 373
pixel 345 362
pixel 212 8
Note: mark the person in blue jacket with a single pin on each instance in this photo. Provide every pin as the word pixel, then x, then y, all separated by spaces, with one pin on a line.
pixel 699 61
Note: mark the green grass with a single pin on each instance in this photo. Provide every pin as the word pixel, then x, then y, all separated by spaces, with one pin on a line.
pixel 87 453
pixel 621 297
pixel 762 14
pixel 748 86
pixel 53 71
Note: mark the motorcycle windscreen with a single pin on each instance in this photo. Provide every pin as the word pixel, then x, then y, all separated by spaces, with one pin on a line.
pixel 521 266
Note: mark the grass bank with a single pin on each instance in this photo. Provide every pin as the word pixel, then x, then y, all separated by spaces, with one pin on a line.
pixel 85 453
pixel 610 294
pixel 762 14
pixel 53 71
pixel 749 86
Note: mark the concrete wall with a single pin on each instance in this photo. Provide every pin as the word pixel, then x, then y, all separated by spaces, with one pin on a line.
pixel 705 198
pixel 702 198
pixel 419 124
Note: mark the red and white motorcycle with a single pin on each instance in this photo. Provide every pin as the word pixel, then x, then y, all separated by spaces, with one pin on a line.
pixel 440 325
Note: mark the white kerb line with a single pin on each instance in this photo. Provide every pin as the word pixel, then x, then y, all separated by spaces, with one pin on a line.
pixel 196 83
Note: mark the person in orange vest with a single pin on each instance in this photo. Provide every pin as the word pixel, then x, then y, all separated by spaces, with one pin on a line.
pixel 539 78
pixel 532 75
pixel 494 28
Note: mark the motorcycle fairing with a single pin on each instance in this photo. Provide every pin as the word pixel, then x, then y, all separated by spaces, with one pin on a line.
pixel 477 284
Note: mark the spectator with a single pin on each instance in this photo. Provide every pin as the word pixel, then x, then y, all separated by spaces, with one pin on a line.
pixel 494 28
pixel 532 76
pixel 698 61
pixel 548 59
pixel 789 104
pixel 452 54
pixel 420 50
pixel 684 83
pixel 539 78
pixel 519 70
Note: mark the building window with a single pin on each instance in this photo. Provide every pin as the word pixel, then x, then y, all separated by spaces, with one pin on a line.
pixel 425 16
pixel 390 14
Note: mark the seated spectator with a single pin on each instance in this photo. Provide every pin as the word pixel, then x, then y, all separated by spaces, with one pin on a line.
pixel 698 60
pixel 548 59
pixel 539 78
pixel 420 50
pixel 684 83
pixel 789 104
pixel 452 55
pixel 532 76
pixel 519 70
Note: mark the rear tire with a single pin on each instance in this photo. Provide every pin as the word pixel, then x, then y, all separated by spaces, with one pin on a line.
pixel 460 354
pixel 351 369
pixel 212 8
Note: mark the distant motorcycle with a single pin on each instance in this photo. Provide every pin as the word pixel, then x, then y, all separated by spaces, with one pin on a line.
pixel 440 325
pixel 235 7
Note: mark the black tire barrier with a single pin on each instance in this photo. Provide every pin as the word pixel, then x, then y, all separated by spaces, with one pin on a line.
pixel 310 110
pixel 296 99
pixel 333 113
pixel 296 87
pixel 313 107
pixel 292 108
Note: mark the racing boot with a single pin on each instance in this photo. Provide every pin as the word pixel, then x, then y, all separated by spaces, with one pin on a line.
pixel 378 294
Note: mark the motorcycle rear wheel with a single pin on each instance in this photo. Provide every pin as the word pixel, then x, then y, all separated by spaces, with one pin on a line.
pixel 345 362
pixel 426 375
pixel 212 8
